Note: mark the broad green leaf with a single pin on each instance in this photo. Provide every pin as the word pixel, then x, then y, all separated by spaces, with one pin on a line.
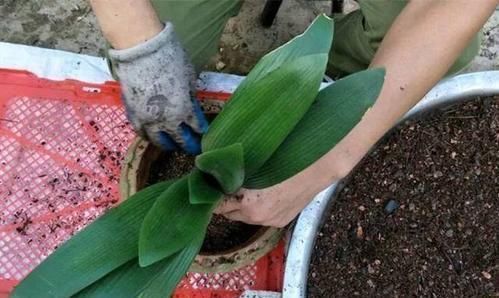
pixel 176 269
pixel 226 165
pixel 315 40
pixel 171 224
pixel 200 191
pixel 336 111
pixel 101 247
pixel 274 97
pixel 261 127
pixel 157 280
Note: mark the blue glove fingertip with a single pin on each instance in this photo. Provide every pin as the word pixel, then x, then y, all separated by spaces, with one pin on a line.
pixel 192 144
pixel 166 142
pixel 198 112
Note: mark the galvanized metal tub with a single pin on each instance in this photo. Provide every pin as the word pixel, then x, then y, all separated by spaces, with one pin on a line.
pixel 448 92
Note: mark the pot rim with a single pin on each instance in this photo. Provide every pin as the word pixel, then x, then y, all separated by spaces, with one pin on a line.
pixel 449 91
pixel 264 240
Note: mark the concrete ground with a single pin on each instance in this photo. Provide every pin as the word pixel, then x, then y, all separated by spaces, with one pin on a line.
pixel 70 25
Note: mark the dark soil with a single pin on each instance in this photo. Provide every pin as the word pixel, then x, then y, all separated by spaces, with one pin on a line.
pixel 222 234
pixel 170 166
pixel 420 216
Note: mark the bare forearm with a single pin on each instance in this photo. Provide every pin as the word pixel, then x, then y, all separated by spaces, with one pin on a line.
pixel 126 23
pixel 419 49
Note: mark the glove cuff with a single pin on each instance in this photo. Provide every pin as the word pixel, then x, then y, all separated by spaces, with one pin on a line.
pixel 146 48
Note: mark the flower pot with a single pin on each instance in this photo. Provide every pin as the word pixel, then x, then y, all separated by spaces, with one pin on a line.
pixel 448 92
pixel 135 173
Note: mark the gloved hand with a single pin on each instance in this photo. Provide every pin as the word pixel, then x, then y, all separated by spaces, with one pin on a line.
pixel 158 83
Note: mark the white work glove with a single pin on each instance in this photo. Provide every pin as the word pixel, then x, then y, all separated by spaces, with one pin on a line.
pixel 158 82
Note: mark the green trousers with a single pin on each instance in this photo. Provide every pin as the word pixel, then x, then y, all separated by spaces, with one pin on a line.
pixel 199 24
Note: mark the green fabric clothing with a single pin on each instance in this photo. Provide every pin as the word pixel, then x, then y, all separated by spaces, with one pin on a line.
pixel 200 23
pixel 359 34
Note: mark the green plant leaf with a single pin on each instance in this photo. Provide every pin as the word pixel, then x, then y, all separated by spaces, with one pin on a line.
pixel 226 165
pixel 315 40
pixel 263 132
pixel 157 280
pixel 200 191
pixel 101 247
pixel 274 97
pixel 171 224
pixel 336 111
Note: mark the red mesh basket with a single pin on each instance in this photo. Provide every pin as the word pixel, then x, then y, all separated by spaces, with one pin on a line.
pixel 61 148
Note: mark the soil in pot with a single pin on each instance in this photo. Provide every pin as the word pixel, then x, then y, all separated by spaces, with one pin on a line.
pixel 222 234
pixel 419 217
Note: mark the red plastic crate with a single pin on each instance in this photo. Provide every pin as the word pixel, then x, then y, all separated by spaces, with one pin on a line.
pixel 54 179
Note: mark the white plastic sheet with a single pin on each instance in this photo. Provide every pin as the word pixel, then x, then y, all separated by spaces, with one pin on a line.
pixel 54 64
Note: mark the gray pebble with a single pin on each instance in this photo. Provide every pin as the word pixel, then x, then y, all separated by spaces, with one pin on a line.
pixel 391 206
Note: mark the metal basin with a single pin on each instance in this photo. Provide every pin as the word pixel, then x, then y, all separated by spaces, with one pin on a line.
pixel 448 92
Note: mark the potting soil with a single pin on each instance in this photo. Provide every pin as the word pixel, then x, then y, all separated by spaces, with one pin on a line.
pixel 419 216
pixel 222 234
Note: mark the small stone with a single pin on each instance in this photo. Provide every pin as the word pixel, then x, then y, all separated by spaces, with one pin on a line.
pixel 220 65
pixel 377 201
pixel 370 269
pixel 359 232
pixel 412 206
pixel 438 174
pixel 371 283
pixel 453 155
pixel 362 208
pixel 413 225
pixel 486 275
pixel 449 233
pixel 314 274
pixel 377 262
pixel 391 206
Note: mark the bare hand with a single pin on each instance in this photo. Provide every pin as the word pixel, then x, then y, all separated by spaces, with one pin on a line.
pixel 274 206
